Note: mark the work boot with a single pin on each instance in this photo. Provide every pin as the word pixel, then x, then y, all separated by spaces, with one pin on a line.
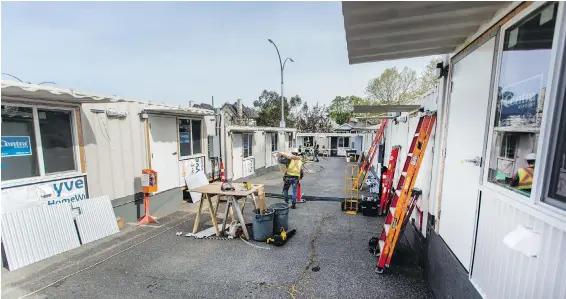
pixel 293 206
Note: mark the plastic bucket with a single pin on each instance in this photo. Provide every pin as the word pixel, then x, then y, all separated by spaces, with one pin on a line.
pixel 281 218
pixel 262 225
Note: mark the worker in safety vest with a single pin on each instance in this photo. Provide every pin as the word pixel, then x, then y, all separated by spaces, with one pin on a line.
pixel 293 174
pixel 523 179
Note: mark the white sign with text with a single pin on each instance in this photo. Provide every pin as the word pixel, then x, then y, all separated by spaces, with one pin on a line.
pixel 44 194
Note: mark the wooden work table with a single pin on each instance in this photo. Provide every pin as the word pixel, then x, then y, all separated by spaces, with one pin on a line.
pixel 231 197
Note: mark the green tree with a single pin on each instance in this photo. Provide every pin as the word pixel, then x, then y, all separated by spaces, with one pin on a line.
pixel 268 107
pixel 341 108
pixel 393 87
pixel 313 119
pixel 428 78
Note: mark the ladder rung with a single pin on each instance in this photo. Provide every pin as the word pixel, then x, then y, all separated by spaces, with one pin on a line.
pixel 409 154
pixel 404 173
pixel 381 245
pixel 392 210
pixel 398 192
pixel 386 227
pixel 416 134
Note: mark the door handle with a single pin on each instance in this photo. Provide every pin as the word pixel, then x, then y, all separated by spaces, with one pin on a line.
pixel 174 153
pixel 476 161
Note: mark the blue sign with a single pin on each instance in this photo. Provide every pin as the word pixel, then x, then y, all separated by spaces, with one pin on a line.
pixel 14 146
pixel 185 137
pixel 519 103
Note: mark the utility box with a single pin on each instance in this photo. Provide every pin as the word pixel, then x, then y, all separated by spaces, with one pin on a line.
pixel 213 146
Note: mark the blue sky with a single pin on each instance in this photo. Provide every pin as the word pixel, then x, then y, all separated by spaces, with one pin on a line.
pixel 176 52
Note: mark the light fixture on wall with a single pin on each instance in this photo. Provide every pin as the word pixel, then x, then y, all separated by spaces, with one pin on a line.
pixel 441 70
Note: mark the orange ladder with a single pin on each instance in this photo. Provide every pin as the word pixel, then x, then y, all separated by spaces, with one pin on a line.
pixel 404 198
pixel 387 180
pixel 373 149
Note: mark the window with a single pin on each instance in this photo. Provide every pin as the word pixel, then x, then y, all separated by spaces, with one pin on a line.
pixel 274 142
pixel 343 141
pixel 308 141
pixel 523 76
pixel 290 140
pixel 247 140
pixel 190 137
pixel 56 140
pixel 22 128
pixel 196 137
pixel 557 187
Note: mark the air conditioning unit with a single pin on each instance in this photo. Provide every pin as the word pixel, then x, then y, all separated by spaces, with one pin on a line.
pixel 213 146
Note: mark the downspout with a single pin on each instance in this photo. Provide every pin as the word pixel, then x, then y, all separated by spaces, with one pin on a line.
pixel 440 139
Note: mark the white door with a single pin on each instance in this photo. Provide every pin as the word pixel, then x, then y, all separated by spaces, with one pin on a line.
pixel 237 157
pixel 164 158
pixel 467 115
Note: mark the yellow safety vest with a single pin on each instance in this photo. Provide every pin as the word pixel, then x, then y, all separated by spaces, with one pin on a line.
pixel 525 178
pixel 294 168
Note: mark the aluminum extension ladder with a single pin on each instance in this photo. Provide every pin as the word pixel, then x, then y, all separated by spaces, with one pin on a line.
pixel 387 180
pixel 405 197
pixel 373 149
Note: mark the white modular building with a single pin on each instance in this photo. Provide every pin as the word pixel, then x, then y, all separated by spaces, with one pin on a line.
pixel 500 98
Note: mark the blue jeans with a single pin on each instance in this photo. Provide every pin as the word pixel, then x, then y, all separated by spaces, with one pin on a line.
pixel 291 182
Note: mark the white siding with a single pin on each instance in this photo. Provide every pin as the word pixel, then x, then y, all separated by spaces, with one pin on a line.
pixel 259 149
pixel 115 150
pixel 499 272
pixel 34 234
pixel 96 219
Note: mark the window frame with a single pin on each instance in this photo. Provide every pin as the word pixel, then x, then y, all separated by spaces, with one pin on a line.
pixel 274 147
pixel 192 155
pixel 553 117
pixel 548 122
pixel 43 176
pixel 250 141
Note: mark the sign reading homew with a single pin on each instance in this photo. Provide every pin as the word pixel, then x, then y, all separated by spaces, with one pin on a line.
pixel 44 194
pixel 14 146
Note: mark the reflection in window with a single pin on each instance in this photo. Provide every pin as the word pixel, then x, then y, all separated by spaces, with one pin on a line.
pixel 19 150
pixel 185 137
pixel 247 140
pixel 523 77
pixel 273 142
pixel 557 190
pixel 196 137
pixel 55 128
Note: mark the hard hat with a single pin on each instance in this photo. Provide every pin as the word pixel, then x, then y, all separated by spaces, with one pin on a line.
pixel 294 150
pixel 531 157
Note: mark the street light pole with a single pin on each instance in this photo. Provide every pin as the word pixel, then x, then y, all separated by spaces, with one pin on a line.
pixel 282 65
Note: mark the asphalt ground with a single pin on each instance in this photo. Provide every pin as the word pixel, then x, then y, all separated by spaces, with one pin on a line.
pixel 327 258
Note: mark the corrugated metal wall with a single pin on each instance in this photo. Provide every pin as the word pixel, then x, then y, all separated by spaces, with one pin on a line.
pixel 96 219
pixel 34 234
pixel 499 272
pixel 115 149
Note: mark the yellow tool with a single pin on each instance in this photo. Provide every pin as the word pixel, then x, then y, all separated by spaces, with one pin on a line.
pixel 281 239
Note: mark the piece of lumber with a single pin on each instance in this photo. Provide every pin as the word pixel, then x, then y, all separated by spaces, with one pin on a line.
pixel 261 199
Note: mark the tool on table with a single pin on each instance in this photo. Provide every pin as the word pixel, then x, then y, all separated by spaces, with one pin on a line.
pixel 282 238
pixel 248 185
pixel 387 181
pixel 405 196
pixel 227 186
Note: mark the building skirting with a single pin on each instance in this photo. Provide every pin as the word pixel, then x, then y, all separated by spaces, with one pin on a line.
pixel 131 207
pixel 444 274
